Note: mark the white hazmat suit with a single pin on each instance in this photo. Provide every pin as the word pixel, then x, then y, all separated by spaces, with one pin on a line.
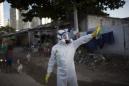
pixel 63 55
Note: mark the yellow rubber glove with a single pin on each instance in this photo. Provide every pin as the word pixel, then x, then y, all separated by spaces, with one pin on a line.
pixel 96 32
pixel 46 78
pixel 98 29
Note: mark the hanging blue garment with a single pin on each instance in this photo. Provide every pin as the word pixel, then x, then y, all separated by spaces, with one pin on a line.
pixel 108 38
pixel 100 42
pixel 94 44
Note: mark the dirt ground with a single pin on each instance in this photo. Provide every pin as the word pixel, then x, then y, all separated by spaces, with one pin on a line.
pixel 113 71
pixel 15 79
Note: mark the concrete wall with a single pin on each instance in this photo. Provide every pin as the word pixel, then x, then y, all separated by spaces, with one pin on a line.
pixel 83 24
pixel 126 34
pixel 118 47
pixel 92 21
pixel 120 31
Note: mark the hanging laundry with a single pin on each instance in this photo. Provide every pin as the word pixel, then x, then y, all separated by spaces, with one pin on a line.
pixel 100 42
pixel 108 38
pixel 94 44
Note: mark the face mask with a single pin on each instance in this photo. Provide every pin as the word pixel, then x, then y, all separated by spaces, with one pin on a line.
pixel 67 41
pixel 63 36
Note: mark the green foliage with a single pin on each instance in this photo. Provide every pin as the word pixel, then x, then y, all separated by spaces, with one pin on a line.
pixel 61 9
pixel 7 29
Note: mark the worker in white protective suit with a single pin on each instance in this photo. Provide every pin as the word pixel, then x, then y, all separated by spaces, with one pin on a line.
pixel 63 55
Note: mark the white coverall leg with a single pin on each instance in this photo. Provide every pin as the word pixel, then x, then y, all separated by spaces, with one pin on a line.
pixel 63 55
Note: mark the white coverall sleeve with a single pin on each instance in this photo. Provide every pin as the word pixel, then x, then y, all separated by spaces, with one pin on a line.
pixel 51 62
pixel 82 40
